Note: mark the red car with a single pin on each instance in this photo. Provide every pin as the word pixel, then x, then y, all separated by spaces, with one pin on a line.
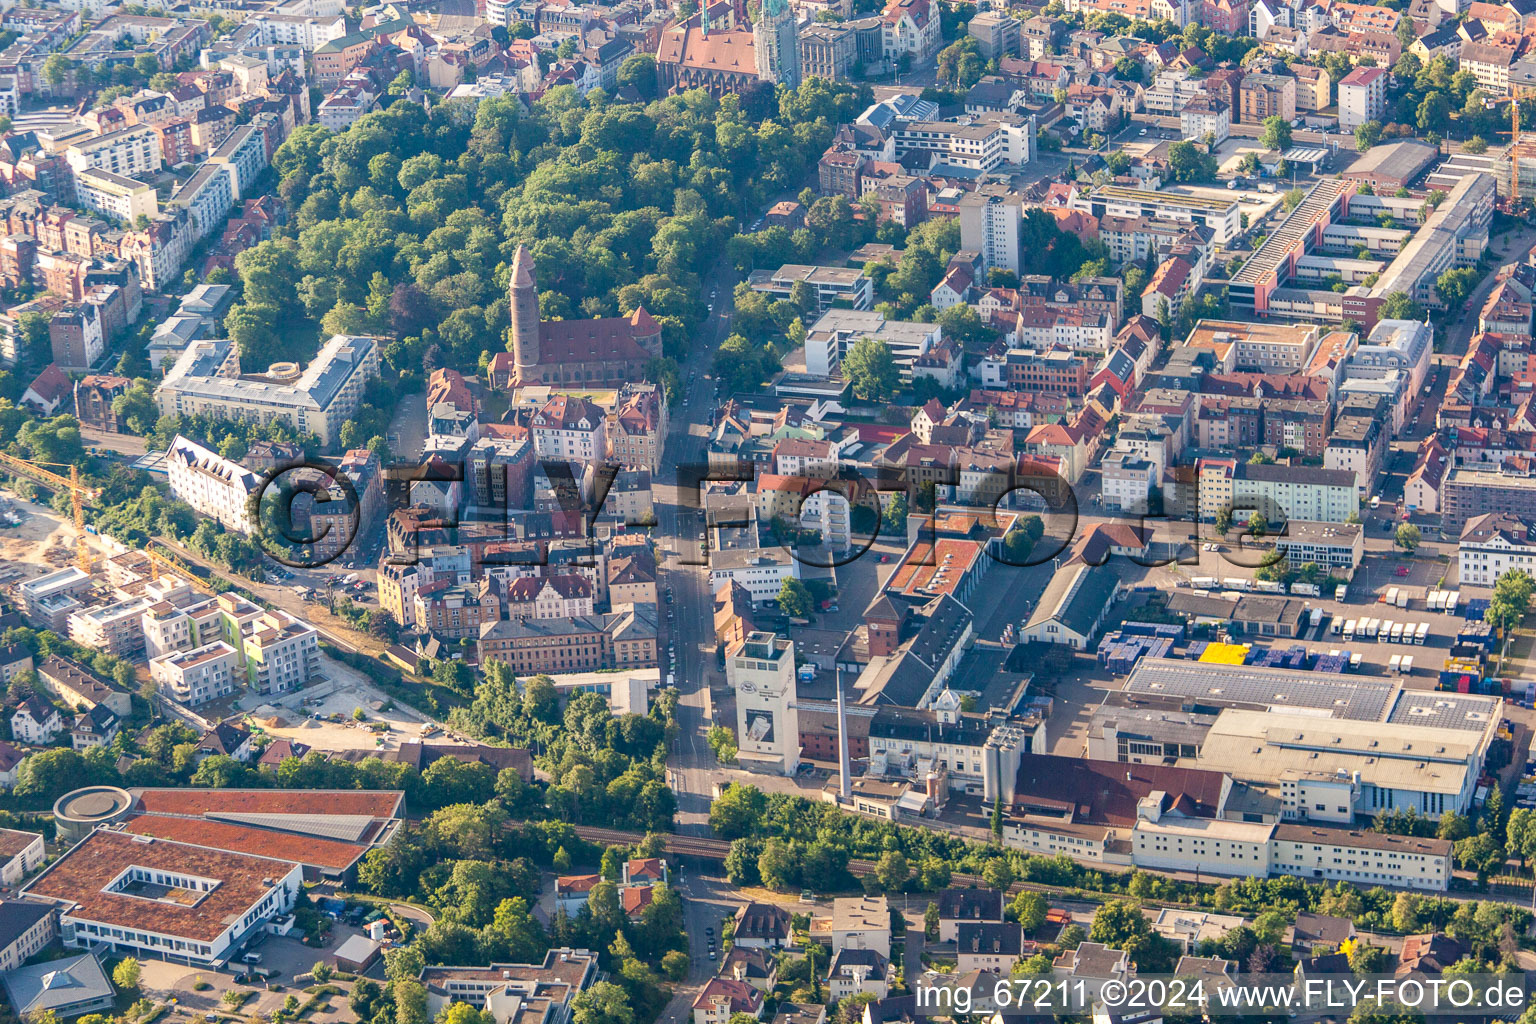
pixel 1402 570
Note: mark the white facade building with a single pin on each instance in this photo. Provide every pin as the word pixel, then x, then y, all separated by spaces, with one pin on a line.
pixel 199 675
pixel 213 485
pixel 762 673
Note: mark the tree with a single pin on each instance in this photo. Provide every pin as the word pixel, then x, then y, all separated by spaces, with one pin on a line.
pixel 871 370
pixel 1455 285
pixel 674 964
pixel 1434 113
pixel 795 598
pixel 776 865
pixel 723 742
pixel 1122 925
pixel 603 1003
pixel 931 921
pixel 1398 306
pixel 639 73
pixel 1030 908
pixel 1293 198
pixel 1276 134
pixel 1407 536
pixel 1367 135
pixel 322 971
pixel 738 811
pixel 1258 524
pixel 126 973
pixel 55 68
pixel 894 516
pixel 892 870
pixel 960 65
pixel 1506 608
pixel 1475 145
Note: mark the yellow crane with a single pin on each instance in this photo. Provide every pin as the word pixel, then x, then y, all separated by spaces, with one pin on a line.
pixel 42 473
pixel 169 563
pixel 1514 153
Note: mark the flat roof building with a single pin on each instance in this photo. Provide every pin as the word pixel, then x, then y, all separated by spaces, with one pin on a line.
pixel 150 897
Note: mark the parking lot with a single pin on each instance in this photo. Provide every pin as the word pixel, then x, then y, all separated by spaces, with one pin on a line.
pixel 197 992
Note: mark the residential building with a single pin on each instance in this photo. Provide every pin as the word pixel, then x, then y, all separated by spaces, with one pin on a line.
pixel 1492 544
pixel 65 988
pixel 1468 492
pixel 36 722
pixel 988 946
pixel 206 379
pixel 860 922
pixel 213 485
pixel 967 906
pixel 280 653
pixel 844 287
pixel 830 338
pixel 1362 97
pixel 25 928
pixel 990 218
pixel 1288 492
pixel 510 992
pixel 997 34
pixel 1264 96
pixel 911 27
pixel 198 675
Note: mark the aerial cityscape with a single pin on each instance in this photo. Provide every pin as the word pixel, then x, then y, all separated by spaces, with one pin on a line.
pixel 784 511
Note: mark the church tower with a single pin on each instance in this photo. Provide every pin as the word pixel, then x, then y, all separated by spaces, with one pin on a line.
pixel 777 44
pixel 523 304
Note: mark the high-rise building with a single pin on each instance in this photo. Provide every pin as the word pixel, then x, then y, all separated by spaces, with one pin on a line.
pixel 762 672
pixel 777 44
pixel 990 219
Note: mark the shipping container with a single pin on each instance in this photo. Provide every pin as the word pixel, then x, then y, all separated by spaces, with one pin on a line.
pixel 1452 599
pixel 1395 664
pixel 1397 632
pixel 1349 630
pixel 1421 634
pixel 1407 664
pixel 1392 596
pixel 1435 600
pixel 1338 625
pixel 1341 592
pixel 1402 599
pixel 1317 617
pixel 1354 661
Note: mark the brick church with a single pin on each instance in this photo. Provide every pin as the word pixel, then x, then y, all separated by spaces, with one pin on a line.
pixel 606 352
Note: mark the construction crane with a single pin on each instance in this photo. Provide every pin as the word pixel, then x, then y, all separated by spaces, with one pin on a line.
pixel 1514 153
pixel 177 568
pixel 42 473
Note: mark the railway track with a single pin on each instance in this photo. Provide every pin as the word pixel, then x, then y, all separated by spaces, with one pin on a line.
pixel 716 850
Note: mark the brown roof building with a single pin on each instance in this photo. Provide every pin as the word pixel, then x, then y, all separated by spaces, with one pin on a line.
pixel 606 351
pixel 720 63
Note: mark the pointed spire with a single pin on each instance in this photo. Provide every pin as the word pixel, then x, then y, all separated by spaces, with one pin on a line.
pixel 523 273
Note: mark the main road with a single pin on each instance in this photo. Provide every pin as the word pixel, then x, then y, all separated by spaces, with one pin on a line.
pixel 680 527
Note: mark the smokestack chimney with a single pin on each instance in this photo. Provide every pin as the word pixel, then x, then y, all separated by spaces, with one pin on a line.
pixel 845 784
